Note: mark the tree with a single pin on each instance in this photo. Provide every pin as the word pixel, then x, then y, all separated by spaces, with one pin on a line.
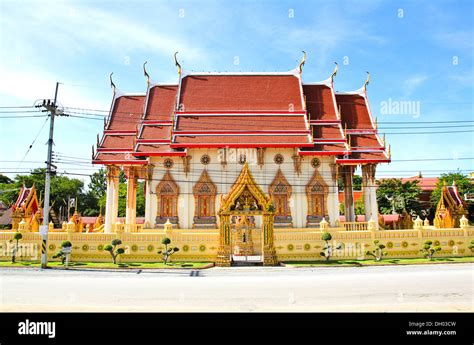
pixel 356 183
pixel 429 250
pixel 395 196
pixel 166 254
pixel 60 254
pixel 377 252
pixel 471 246
pixel 463 184
pixel 5 179
pixel 328 248
pixel 16 237
pixel 113 251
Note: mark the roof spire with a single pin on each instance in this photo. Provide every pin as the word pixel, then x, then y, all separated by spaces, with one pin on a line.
pixel 112 85
pixel 334 73
pixel 303 60
pixel 177 63
pixel 367 81
pixel 145 73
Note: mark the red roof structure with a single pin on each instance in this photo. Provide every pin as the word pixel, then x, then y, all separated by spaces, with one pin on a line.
pixel 245 110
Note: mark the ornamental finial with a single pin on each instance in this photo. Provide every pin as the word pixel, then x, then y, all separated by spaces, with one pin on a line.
pixel 334 73
pixel 303 60
pixel 112 85
pixel 145 73
pixel 367 81
pixel 177 63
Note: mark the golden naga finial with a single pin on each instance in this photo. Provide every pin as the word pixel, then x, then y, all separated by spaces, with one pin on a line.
pixel 334 73
pixel 389 151
pixel 376 123
pixel 303 60
pixel 345 130
pixel 112 85
pixel 147 76
pixel 367 81
pixel 93 153
pixel 98 140
pixel 177 63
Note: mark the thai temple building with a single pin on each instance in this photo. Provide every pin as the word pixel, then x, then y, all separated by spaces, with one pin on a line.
pixel 243 167
pixel 191 140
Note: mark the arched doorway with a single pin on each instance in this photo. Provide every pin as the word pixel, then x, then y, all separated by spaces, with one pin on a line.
pixel 246 199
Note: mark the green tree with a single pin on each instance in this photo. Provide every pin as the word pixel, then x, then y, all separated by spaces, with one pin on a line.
pixel 5 179
pixel 16 237
pixel 377 252
pixel 166 254
pixel 60 254
pixel 393 195
pixel 471 246
pixel 328 248
pixel 463 184
pixel 356 183
pixel 429 249
pixel 113 250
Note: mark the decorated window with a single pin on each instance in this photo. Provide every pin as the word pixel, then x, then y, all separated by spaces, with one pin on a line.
pixel 280 192
pixel 167 193
pixel 204 198
pixel 316 193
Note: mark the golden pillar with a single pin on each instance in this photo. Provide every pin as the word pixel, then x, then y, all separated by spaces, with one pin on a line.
pixel 269 253
pixel 224 251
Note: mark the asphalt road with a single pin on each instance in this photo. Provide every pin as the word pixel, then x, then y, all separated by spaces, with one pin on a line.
pixel 405 288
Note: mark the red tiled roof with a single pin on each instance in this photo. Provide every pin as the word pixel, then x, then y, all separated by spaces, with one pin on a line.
pixel 319 102
pixel 425 183
pixel 127 113
pixel 365 144
pixel 241 110
pixel 161 102
pixel 240 92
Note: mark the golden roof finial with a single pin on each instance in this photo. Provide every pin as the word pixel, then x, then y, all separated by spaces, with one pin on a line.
pixel 177 63
pixel 334 73
pixel 147 76
pixel 112 85
pixel 303 60
pixel 367 81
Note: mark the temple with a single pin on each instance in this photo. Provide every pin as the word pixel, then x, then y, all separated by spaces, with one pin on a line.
pixel 189 142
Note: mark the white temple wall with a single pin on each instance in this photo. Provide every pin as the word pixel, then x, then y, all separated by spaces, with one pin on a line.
pixel 224 177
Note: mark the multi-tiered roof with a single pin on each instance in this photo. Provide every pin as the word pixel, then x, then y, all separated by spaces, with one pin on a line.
pixel 241 110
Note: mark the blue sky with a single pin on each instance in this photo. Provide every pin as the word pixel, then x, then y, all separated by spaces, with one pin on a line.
pixel 416 51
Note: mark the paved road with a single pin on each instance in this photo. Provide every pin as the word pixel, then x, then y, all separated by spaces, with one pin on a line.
pixel 404 288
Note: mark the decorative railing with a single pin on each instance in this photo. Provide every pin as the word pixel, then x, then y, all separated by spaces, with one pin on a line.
pixel 355 226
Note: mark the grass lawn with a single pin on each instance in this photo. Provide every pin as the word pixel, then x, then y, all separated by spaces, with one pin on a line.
pixel 139 265
pixel 360 263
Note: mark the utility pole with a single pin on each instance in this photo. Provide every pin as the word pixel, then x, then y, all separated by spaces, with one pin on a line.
pixel 51 107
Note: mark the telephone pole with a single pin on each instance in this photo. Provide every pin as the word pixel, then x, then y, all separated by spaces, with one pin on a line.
pixel 51 107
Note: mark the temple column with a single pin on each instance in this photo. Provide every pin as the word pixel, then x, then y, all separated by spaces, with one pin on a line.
pixel 131 211
pixel 269 253
pixel 149 215
pixel 223 253
pixel 370 196
pixel 349 211
pixel 333 197
pixel 111 206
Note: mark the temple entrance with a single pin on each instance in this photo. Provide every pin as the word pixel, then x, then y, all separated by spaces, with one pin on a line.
pixel 246 240
pixel 239 238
